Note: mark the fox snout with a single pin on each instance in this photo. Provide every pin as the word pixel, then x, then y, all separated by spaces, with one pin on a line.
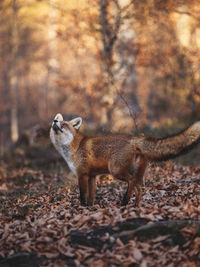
pixel 56 128
pixel 56 125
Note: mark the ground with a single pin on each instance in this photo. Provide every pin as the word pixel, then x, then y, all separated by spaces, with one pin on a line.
pixel 43 224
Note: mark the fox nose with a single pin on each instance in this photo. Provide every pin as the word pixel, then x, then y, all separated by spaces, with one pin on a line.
pixel 55 121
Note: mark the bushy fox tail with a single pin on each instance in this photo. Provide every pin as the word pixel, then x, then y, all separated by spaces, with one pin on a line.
pixel 169 147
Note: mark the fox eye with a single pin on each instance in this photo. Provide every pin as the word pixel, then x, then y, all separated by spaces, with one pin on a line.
pixel 65 125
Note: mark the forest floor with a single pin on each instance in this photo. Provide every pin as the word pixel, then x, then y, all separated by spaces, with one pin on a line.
pixel 43 224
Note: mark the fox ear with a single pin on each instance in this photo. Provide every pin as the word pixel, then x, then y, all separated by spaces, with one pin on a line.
pixel 58 117
pixel 76 123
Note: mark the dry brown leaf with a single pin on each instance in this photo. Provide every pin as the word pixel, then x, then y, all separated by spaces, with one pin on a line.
pixel 174 249
pixel 119 243
pixel 44 239
pixel 50 255
pixel 26 246
pixel 160 238
pixel 137 254
pixel 97 215
pixel 93 262
pixel 144 263
pixel 128 261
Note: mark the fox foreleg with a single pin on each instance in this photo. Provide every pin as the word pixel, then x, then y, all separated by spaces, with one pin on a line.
pixel 83 187
pixel 92 189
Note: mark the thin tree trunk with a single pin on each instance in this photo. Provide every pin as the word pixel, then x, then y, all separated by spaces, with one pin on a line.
pixel 50 93
pixel 14 77
pixel 1 146
pixel 109 32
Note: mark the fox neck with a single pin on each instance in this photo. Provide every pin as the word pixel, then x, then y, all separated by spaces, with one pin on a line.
pixel 75 143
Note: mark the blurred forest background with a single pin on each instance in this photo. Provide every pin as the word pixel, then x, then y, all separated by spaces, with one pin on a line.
pixel 120 64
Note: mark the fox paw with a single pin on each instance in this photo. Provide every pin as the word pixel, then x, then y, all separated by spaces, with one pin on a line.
pixel 124 202
pixel 84 204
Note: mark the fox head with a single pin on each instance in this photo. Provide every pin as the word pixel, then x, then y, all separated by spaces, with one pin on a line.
pixel 63 132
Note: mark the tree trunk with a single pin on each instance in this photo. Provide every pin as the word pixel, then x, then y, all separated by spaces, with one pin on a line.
pixel 50 94
pixel 14 76
pixel 108 37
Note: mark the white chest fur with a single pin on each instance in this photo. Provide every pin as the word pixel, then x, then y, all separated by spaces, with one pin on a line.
pixel 65 152
pixel 61 144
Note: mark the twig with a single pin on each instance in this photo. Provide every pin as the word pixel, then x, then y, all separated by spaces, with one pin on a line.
pixel 133 114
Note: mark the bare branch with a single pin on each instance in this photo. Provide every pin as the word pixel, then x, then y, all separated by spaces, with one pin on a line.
pixel 133 114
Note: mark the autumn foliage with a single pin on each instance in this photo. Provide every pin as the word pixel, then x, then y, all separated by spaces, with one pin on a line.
pixel 101 60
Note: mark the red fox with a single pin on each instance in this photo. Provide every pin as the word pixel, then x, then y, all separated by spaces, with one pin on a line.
pixel 124 156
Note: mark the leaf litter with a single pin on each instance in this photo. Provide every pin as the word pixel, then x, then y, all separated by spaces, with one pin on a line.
pixel 39 212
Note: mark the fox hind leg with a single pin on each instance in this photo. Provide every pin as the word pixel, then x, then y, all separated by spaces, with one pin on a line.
pixel 138 194
pixel 141 165
pixel 136 182
pixel 129 192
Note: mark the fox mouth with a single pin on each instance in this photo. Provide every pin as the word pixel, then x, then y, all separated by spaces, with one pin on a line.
pixel 56 128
